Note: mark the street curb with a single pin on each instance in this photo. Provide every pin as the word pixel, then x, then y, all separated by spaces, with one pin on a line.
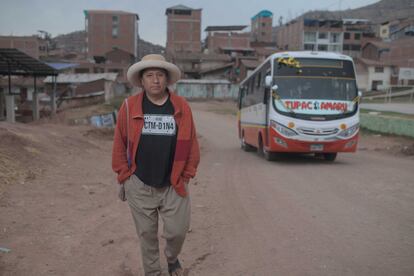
pixel 386 124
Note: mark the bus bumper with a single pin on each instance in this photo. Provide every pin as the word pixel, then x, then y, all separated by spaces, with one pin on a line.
pixel 278 143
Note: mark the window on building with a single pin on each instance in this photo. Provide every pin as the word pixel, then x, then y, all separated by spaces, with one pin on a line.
pixel 309 47
pixel 310 37
pixel 356 47
pixel 115 26
pixel 347 35
pixel 346 47
pixel 323 35
pixel 357 36
pixel 335 48
pixel 263 24
pixel 182 12
pixel 322 47
pixel 379 69
pixel 375 84
pixel 114 31
pixel 98 70
pixel 334 38
pixel 258 79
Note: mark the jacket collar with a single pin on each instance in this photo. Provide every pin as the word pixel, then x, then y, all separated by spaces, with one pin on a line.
pixel 136 109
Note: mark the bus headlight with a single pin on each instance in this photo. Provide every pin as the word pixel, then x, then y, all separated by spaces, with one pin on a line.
pixel 349 131
pixel 285 131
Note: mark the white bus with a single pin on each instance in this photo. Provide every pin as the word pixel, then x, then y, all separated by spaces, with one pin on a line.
pixel 304 102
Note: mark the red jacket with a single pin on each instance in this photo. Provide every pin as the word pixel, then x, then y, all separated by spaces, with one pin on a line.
pixel 187 152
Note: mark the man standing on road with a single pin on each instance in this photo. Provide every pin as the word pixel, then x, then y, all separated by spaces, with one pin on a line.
pixel 155 153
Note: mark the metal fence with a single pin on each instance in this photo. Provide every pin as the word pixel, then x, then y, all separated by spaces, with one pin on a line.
pixel 207 89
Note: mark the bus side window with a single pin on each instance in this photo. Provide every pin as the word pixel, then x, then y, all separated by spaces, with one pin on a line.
pixel 241 92
pixel 258 88
pixel 250 94
pixel 266 90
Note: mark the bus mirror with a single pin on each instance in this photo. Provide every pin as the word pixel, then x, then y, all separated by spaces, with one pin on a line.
pixel 275 87
pixel 268 81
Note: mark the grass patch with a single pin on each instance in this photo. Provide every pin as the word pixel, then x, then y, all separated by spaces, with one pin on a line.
pixel 395 99
pixel 388 114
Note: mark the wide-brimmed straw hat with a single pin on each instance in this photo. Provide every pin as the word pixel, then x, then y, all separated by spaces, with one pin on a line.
pixel 153 61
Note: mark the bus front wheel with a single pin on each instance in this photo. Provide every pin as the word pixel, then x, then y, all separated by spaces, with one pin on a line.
pixel 269 156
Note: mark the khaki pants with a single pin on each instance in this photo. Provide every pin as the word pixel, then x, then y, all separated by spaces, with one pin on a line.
pixel 146 204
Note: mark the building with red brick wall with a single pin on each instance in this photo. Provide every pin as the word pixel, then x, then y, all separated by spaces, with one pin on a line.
pixel 357 32
pixel 261 26
pixel 30 45
pixel 115 61
pixel 399 52
pixel 311 34
pixel 382 63
pixel 107 30
pixel 396 29
pixel 183 30
pixel 226 37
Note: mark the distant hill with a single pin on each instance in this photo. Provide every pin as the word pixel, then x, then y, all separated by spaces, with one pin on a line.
pixel 145 48
pixel 75 42
pixel 384 10
pixel 71 42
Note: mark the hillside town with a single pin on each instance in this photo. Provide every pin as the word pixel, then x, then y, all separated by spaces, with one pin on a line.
pixel 90 65
pixel 279 141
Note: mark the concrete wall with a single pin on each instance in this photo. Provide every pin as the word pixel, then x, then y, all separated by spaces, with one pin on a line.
pixel 207 89
pixel 389 125
pixel 79 102
pixel 385 77
pixel 227 39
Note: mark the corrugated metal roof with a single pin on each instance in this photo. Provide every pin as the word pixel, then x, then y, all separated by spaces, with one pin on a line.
pixel 86 12
pixel 250 63
pixel 179 7
pixel 61 66
pixel 378 44
pixel 203 81
pixel 216 68
pixel 371 62
pixel 243 49
pixel 16 63
pixel 225 28
pixel 81 78
pixel 263 13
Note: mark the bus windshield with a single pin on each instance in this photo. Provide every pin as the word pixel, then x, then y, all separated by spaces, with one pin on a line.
pixel 314 86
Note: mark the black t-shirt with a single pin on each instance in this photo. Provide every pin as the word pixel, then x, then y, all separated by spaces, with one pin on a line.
pixel 156 148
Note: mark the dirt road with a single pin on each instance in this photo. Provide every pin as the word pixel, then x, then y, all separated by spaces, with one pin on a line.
pixel 296 216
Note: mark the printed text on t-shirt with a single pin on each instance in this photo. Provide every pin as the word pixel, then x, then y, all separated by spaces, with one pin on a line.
pixel 159 125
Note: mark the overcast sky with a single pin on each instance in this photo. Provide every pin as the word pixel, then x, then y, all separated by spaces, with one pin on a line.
pixel 26 17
